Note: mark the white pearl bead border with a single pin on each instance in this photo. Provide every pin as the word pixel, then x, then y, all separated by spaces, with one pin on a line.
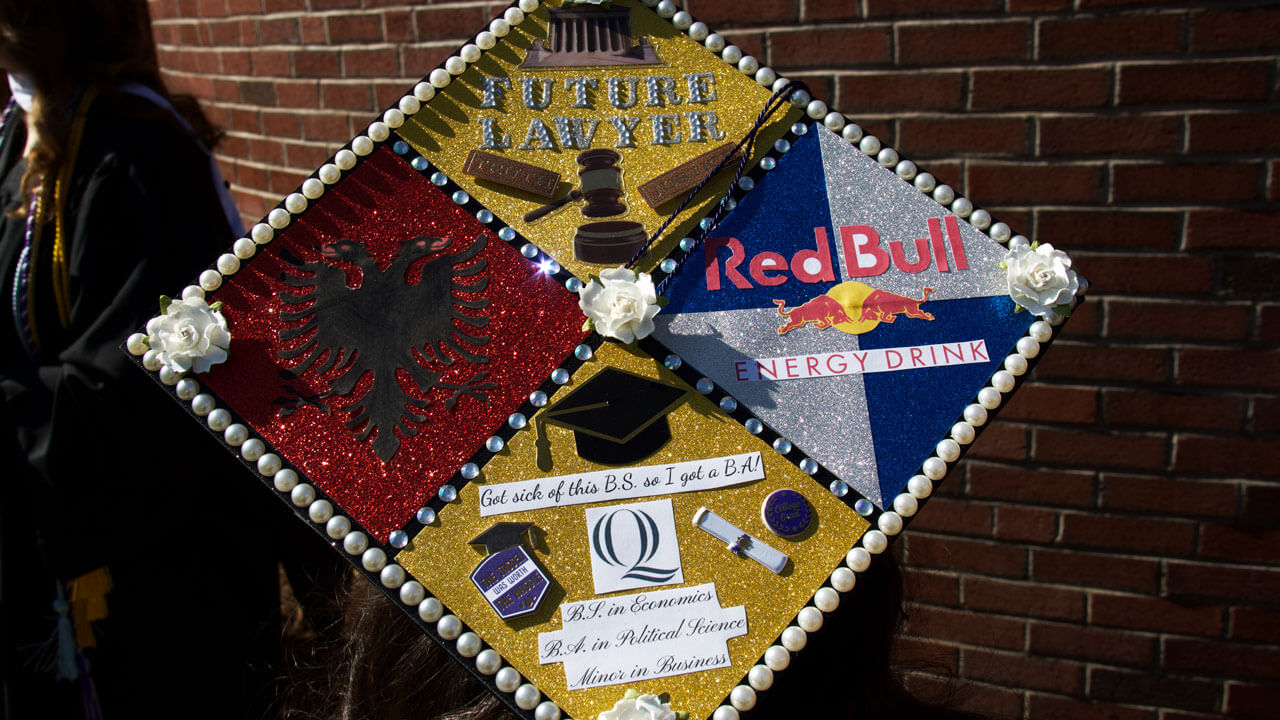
pixel 294 204
pixel 469 645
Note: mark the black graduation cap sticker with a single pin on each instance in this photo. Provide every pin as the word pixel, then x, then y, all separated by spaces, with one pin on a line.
pixel 509 579
pixel 617 418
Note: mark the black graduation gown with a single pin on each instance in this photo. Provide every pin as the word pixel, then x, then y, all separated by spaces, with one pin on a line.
pixel 100 468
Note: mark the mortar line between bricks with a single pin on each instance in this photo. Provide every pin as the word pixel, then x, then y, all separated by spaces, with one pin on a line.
pixel 293 141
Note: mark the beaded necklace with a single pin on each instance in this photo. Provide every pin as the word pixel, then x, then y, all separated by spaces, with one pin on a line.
pixel 23 268
pixel 25 272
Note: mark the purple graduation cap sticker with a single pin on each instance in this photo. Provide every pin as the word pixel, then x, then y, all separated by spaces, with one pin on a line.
pixel 510 580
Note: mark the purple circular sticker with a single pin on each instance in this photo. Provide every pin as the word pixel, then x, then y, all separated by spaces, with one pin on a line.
pixel 786 513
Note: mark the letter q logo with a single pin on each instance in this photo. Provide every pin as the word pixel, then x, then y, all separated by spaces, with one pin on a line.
pixel 633 545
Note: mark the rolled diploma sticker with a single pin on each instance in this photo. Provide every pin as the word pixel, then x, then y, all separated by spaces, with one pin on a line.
pixel 739 541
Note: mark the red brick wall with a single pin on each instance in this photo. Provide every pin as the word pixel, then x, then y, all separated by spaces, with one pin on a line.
pixel 1110 548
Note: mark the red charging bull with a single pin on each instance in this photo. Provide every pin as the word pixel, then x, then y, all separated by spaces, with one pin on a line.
pixel 884 306
pixel 823 311
pixel 852 307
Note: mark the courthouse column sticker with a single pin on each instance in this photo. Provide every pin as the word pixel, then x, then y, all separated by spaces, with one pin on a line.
pixel 627 638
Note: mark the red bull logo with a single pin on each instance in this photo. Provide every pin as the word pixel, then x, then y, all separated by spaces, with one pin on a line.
pixel 823 312
pixel 865 256
pixel 852 307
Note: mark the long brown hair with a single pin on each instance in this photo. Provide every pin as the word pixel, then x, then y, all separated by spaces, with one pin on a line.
pixel 358 656
pixel 68 46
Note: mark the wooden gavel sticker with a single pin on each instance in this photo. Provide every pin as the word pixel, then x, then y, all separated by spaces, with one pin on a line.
pixel 573 196
pixel 600 179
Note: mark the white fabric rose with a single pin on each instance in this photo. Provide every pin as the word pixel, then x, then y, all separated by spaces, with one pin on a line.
pixel 1040 279
pixel 189 335
pixel 621 305
pixel 642 707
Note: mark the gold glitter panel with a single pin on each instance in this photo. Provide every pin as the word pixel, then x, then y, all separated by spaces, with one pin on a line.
pixel 441 558
pixel 696 103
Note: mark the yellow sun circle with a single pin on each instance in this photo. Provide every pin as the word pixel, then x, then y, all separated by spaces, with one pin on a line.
pixel 851 295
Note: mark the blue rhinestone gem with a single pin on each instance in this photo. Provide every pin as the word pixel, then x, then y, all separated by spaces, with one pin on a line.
pixel 863 507
pixel 667 266
pixel 559 376
pixel 573 284
pixel 754 426
pixel 401 147
pixel 469 471
pixel 398 538
pixel 768 163
pixel 426 516
pixel 448 493
pixel 420 164
pixel 529 250
pixel 705 386
pixel 686 244
pixel 517 421
pixel 550 267
pixel 494 444
pixel 746 183
pixel 800 128
pixel 782 145
pixel 706 223
pixel 673 362
pixel 728 404
pixel 839 488
pixel 809 465
pixel 461 197
pixel 440 179
pixel 537 398
pixel 484 216
pixel 782 445
pixel 582 352
pixel 507 233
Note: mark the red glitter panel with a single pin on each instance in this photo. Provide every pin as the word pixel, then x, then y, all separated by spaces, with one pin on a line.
pixel 533 323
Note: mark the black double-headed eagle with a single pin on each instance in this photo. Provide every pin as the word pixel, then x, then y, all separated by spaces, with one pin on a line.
pixel 401 326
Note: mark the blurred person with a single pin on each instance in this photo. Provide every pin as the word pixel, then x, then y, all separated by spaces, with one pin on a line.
pixel 133 580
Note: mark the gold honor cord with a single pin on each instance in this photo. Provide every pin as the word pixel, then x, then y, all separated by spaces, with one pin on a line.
pixel 61 265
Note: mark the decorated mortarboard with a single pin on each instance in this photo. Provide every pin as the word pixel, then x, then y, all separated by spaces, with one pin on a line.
pixel 399 352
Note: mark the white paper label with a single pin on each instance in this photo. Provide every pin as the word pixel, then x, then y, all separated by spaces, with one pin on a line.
pixel 633 546
pixel 628 638
pixel 858 362
pixel 622 484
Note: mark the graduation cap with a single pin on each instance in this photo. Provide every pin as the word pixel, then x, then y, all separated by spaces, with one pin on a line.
pixel 501 536
pixel 617 418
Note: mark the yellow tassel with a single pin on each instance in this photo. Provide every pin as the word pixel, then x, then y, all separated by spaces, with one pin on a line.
pixel 89 603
